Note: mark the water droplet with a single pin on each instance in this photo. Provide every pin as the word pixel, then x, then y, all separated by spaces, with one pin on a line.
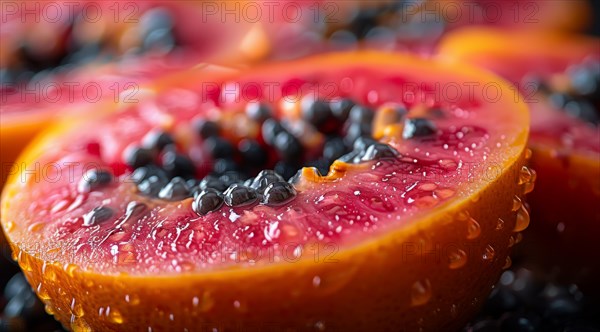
pixel 76 308
pixel 518 238
pixel 10 226
pixel 457 259
pixel 49 309
pixel 23 261
pixel 560 227
pixel 489 253
pixel 70 269
pixel 79 324
pixel 316 281
pixel 500 224
pixel 36 227
pixel 511 241
pixel 463 215
pixel 114 316
pixel 507 263
pixel 420 292
pixel 320 326
pixel 132 299
pixel 42 292
pixel 528 153
pixel 48 272
pixel 204 303
pixel 524 175
pixel 522 220
pixel 517 203
pixel 240 306
pixel 473 229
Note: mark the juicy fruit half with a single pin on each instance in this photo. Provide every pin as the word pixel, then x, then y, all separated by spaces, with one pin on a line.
pixel 562 87
pixel 168 221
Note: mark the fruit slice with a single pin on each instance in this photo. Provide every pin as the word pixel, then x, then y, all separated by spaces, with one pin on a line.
pixel 561 85
pixel 142 236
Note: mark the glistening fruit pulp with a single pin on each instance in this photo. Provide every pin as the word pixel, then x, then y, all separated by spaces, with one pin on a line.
pixel 465 153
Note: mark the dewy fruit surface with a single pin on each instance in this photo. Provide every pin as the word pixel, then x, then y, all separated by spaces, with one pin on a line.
pixel 408 231
pixel 562 87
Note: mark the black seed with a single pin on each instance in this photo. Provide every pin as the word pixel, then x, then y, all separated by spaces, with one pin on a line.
pixel 334 148
pixel 152 186
pixel 501 300
pixel 318 113
pixel 207 128
pixel 134 208
pixel 94 179
pixel 296 178
pixel 259 112
pixel 321 165
pixel 516 323
pixel 218 147
pixel 563 306
pixel 97 215
pixel 177 164
pixel 418 127
pixel 19 305
pixel 364 21
pixel 341 108
pixel 223 166
pixel 145 172
pixel 207 201
pixel 232 177
pixel 212 182
pixel 288 147
pixel 379 151
pixel 159 40
pixel 361 114
pixel 582 109
pixel 559 100
pixel 585 79
pixel 265 178
pixel 270 129
pixel 137 157
pixel 486 325
pixel 238 195
pixel 278 193
pixel 285 169
pixel 351 157
pixel 175 190
pixel 157 140
pixel 362 143
pixel 252 153
pixel 15 286
pixel 155 19
pixel 355 131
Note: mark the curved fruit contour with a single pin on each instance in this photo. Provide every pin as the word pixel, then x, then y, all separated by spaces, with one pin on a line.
pixel 565 143
pixel 372 270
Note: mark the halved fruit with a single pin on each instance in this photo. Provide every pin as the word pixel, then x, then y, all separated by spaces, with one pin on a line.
pixel 559 76
pixel 165 223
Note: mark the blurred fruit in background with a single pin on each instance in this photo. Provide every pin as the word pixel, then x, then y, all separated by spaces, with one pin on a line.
pixel 58 56
pixel 298 28
pixel 559 77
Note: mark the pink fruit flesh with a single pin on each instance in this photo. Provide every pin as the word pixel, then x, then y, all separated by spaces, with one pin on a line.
pixel 168 237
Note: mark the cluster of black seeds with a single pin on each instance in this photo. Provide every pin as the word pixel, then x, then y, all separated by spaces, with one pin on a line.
pixel 524 301
pixel 582 101
pixel 257 170
pixel 155 29
pixel 20 309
